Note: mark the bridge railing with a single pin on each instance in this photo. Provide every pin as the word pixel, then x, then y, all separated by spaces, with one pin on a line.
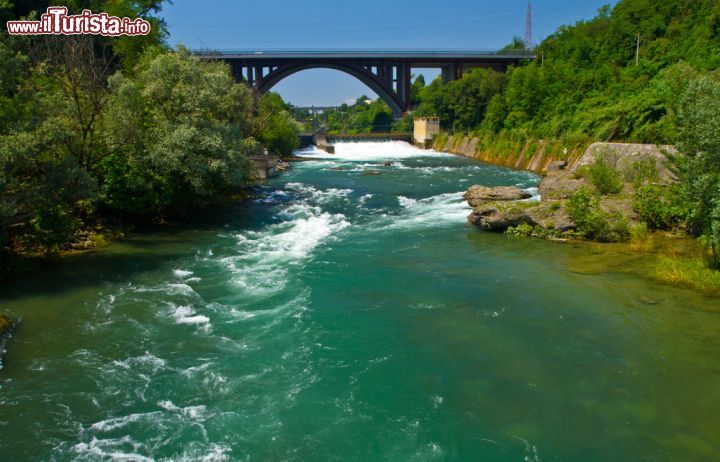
pixel 340 52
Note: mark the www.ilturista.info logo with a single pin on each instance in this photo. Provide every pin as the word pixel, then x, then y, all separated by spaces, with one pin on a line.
pixel 57 22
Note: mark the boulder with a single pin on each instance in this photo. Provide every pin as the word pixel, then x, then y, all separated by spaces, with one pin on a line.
pixel 551 216
pixel 478 195
pixel 497 218
pixel 560 184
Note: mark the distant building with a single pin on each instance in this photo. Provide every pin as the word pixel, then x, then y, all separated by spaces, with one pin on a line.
pixel 425 129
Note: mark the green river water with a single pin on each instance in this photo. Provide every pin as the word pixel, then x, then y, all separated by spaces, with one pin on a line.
pixel 350 316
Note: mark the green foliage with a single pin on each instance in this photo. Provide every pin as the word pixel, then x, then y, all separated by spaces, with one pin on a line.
pixel 587 84
pixel 527 230
pixel 365 116
pixel 179 135
pixel 78 143
pixel 644 172
pixel 699 168
pixel 278 131
pixel 592 222
pixel 52 226
pixel 462 104
pixel 660 207
pixel 604 177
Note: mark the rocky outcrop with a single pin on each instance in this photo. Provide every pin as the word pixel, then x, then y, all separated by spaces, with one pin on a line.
pixel 551 216
pixel 499 217
pixel 624 157
pixel 499 209
pixel 560 184
pixel 477 194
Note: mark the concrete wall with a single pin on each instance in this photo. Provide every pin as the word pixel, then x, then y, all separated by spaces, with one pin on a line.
pixel 535 155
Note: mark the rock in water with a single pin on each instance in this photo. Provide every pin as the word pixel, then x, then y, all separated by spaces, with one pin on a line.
pixel 5 325
pixel 477 194
pixel 493 217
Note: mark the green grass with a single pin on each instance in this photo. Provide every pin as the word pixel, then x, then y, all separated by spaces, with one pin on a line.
pixel 692 273
pixel 641 239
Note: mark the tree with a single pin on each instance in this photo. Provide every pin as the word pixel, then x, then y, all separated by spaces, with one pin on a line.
pixel 699 168
pixel 179 132
pixel 276 129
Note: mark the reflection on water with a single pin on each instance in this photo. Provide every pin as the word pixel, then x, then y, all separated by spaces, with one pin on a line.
pixel 346 316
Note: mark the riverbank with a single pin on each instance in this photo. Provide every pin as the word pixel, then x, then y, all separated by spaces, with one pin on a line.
pixel 613 192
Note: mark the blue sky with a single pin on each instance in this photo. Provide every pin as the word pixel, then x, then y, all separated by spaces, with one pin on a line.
pixel 478 24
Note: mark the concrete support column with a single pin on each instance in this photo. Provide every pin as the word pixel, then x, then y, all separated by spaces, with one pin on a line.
pixel 387 74
pixel 405 82
pixel 236 70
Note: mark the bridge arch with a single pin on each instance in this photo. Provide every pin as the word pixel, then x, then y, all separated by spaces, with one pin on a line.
pixel 383 89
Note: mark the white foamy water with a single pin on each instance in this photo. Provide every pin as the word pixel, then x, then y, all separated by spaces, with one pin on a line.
pixel 370 151
pixel 440 210
pixel 264 257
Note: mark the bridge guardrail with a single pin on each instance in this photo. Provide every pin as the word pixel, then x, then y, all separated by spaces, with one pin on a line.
pixel 339 52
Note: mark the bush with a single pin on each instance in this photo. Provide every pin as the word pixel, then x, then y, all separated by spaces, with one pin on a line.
pixel 660 207
pixel 592 222
pixel 604 177
pixel 52 227
pixel 644 172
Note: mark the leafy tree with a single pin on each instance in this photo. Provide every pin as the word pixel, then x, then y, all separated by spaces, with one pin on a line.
pixel 699 168
pixel 415 89
pixel 277 129
pixel 177 129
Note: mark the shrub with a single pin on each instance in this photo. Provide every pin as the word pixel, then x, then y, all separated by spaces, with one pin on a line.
pixel 592 222
pixel 644 172
pixel 604 177
pixel 659 206
pixel 53 226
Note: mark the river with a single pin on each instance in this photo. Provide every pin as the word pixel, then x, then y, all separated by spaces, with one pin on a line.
pixel 349 312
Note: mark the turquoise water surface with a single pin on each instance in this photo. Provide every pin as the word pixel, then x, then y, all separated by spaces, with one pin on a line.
pixel 350 313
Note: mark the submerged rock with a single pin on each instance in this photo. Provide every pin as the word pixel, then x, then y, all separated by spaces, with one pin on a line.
pixel 478 195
